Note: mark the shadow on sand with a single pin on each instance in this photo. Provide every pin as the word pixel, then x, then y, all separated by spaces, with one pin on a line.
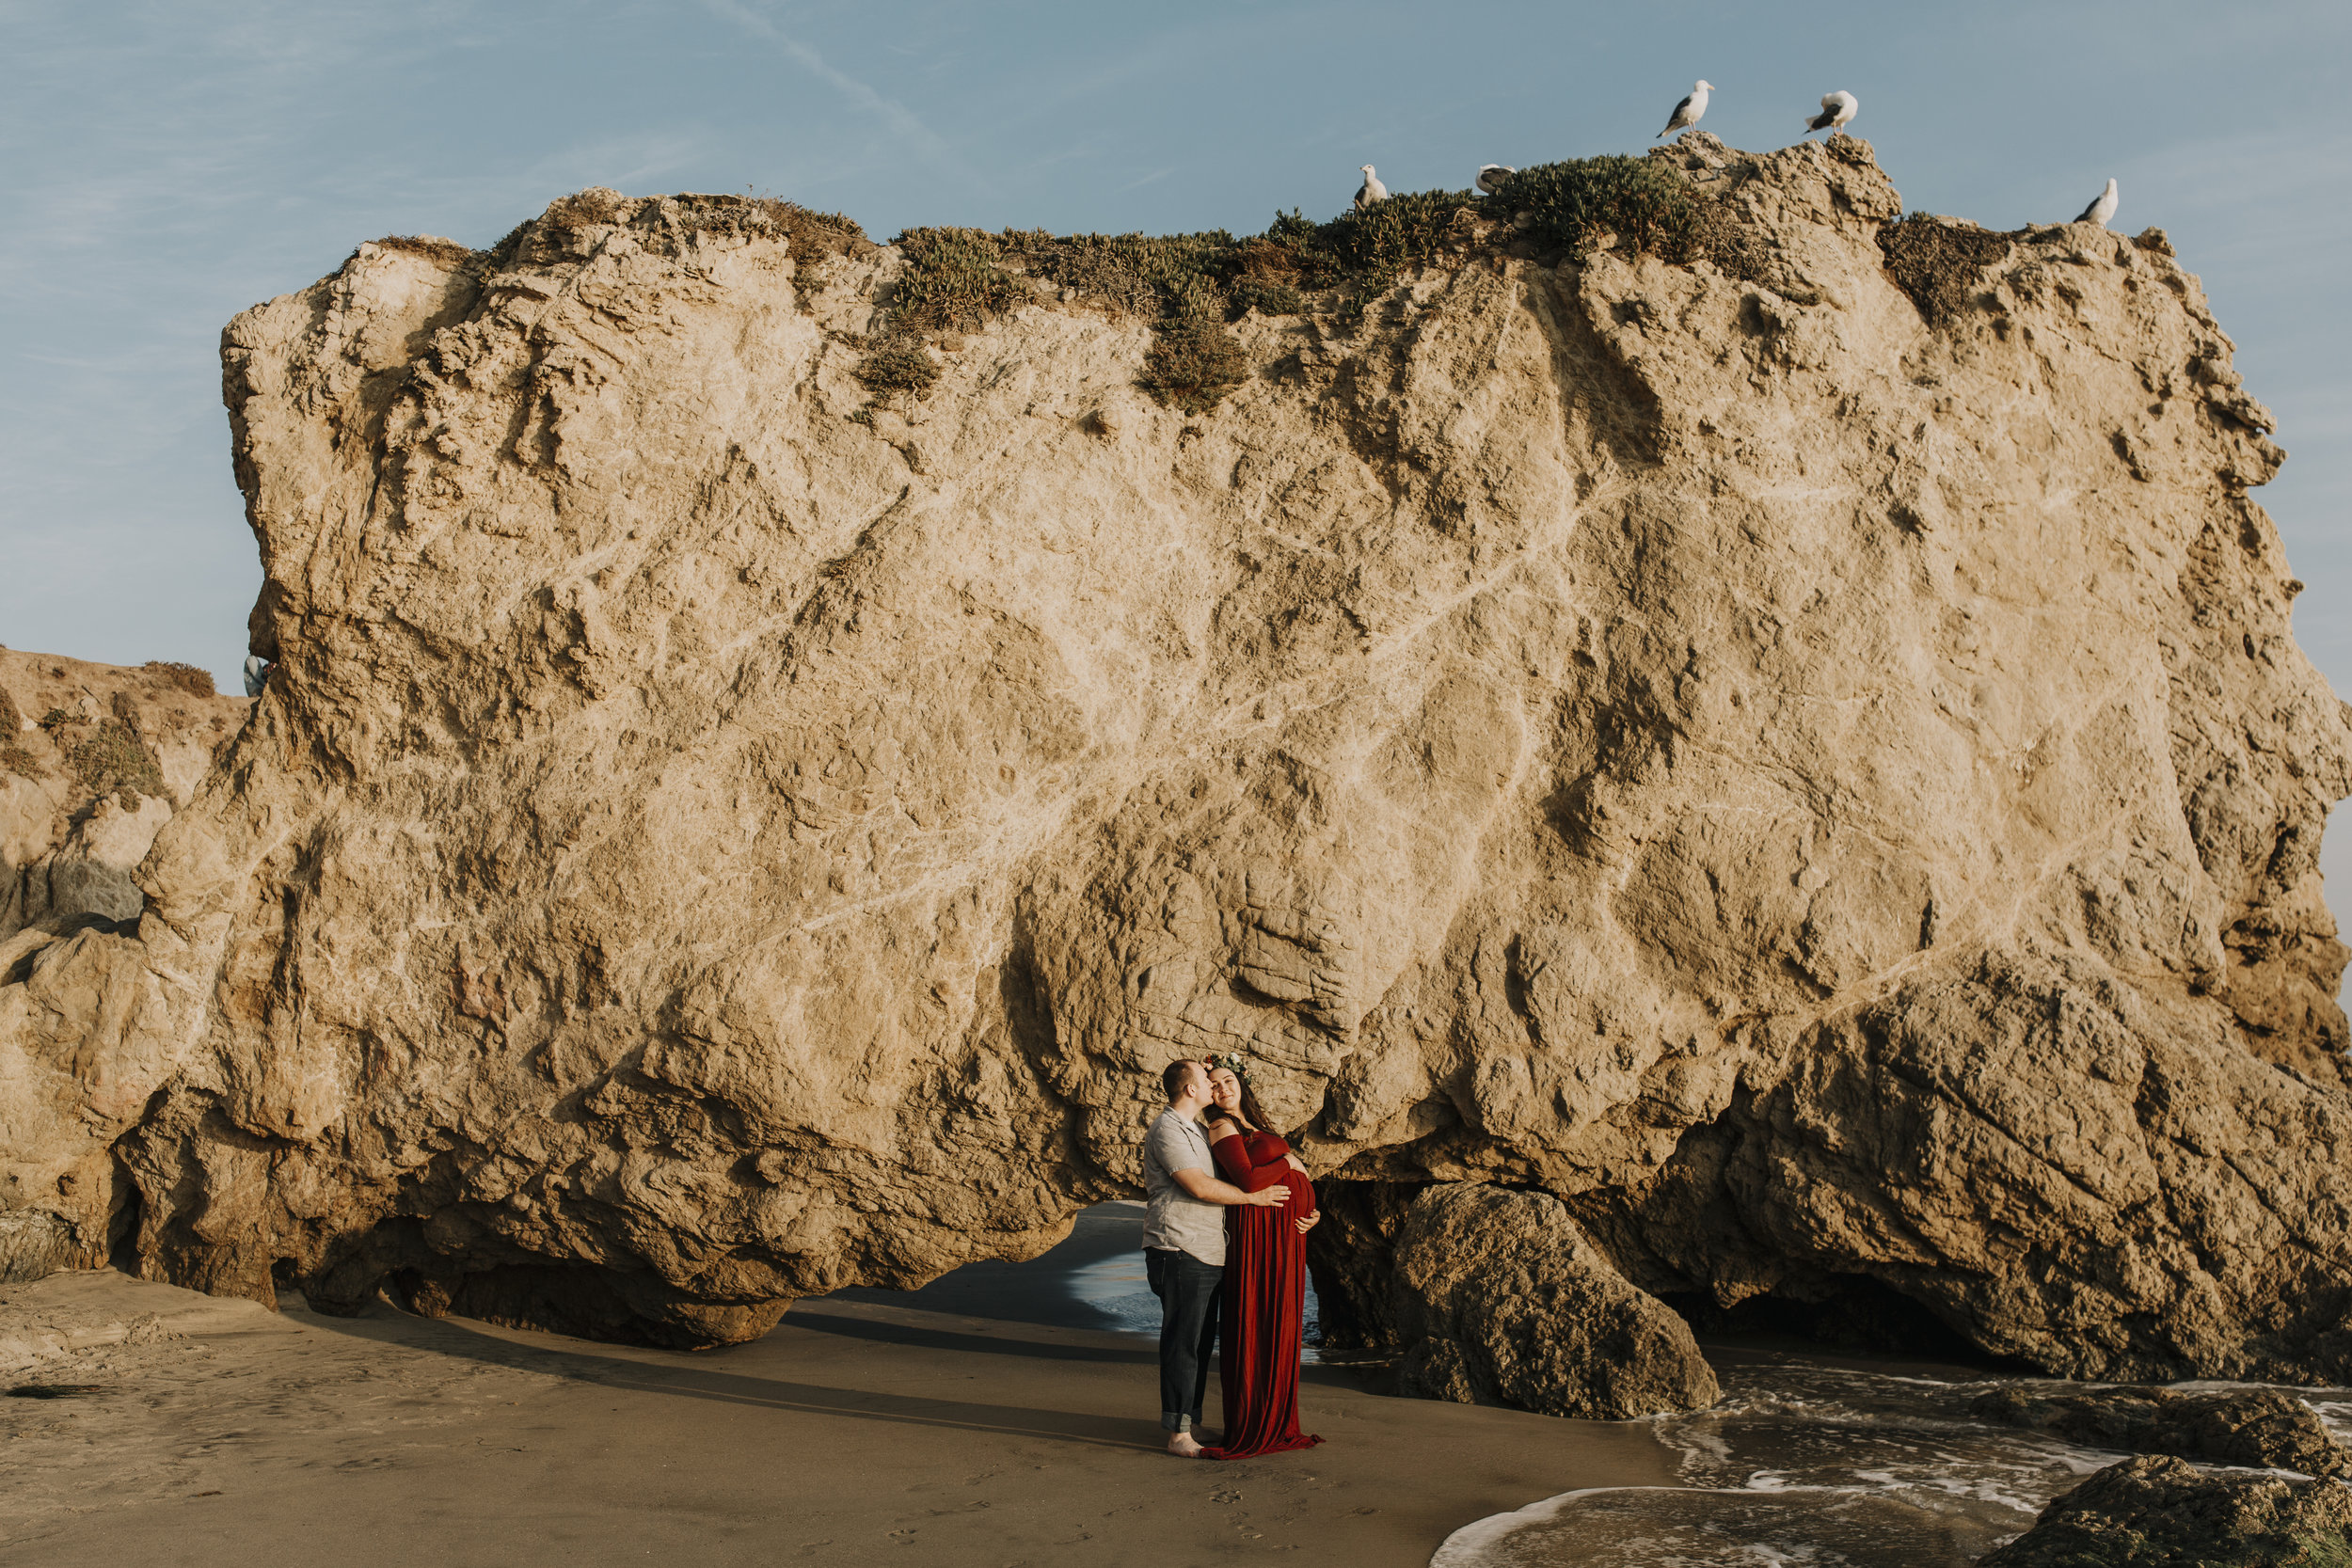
pixel 1037 1292
pixel 670 1373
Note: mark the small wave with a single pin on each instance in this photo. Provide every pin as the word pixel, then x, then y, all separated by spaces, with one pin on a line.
pixel 1473 1545
pixel 1664 1526
pixel 1808 1463
pixel 1803 1463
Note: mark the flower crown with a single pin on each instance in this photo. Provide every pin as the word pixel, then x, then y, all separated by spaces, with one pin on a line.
pixel 1234 1063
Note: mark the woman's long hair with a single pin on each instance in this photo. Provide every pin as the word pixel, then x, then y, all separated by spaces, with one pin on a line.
pixel 1251 1111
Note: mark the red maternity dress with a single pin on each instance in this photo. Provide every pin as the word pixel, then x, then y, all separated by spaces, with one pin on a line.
pixel 1264 1301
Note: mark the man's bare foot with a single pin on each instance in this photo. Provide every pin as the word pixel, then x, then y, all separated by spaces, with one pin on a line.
pixel 1181 1444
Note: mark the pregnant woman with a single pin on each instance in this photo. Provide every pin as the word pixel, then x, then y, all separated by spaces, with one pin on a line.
pixel 1265 1276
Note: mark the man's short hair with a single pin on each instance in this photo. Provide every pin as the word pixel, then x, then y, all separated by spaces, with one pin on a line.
pixel 1172 1077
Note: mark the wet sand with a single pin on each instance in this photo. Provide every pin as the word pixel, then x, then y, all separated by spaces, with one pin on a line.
pixel 990 1419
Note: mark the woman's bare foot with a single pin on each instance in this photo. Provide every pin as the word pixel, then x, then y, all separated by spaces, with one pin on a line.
pixel 1181 1444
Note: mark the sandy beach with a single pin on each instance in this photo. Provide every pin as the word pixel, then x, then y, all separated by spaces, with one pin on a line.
pixel 988 1418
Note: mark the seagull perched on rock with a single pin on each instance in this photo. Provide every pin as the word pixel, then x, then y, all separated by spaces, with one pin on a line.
pixel 1837 112
pixel 1687 112
pixel 256 674
pixel 2101 209
pixel 1371 191
pixel 1491 176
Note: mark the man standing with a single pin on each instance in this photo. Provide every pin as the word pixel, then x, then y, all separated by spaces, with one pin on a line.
pixel 1184 1246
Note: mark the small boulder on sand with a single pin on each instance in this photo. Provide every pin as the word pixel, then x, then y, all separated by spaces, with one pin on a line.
pixel 1501 1299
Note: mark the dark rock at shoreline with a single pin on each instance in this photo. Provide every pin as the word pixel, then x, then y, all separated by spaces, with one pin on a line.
pixel 2157 1511
pixel 2261 1428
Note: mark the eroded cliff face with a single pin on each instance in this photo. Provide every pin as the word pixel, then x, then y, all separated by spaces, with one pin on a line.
pixel 1832 799
pixel 94 759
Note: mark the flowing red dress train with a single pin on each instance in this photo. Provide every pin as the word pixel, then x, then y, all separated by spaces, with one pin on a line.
pixel 1264 1303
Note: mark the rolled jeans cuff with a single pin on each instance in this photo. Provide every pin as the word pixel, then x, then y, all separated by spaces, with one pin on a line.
pixel 1176 1420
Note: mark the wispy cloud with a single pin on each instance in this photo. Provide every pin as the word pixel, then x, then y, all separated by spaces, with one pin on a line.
pixel 903 122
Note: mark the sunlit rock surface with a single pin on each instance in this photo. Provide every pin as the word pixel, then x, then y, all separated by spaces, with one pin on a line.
pixel 1833 799
pixel 94 758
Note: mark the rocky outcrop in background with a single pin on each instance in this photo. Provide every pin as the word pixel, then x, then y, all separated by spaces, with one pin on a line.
pixel 94 759
pixel 1792 749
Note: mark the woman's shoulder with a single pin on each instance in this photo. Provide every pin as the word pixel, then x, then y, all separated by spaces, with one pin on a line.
pixel 1220 1129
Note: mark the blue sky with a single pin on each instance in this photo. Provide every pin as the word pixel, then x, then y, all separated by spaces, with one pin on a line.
pixel 162 165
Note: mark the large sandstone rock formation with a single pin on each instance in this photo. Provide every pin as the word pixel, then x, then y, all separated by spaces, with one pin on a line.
pixel 1829 795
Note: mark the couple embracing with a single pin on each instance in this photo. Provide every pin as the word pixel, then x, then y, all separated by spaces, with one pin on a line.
pixel 1225 1238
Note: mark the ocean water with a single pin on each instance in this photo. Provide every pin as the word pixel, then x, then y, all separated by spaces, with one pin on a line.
pixel 1829 1462
pixel 1116 1287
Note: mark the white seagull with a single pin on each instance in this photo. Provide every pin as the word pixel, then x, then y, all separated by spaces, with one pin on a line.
pixel 1837 112
pixel 1491 176
pixel 2101 209
pixel 256 674
pixel 1371 191
pixel 1687 112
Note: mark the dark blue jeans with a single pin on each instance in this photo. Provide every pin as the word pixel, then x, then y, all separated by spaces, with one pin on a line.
pixel 1188 1291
